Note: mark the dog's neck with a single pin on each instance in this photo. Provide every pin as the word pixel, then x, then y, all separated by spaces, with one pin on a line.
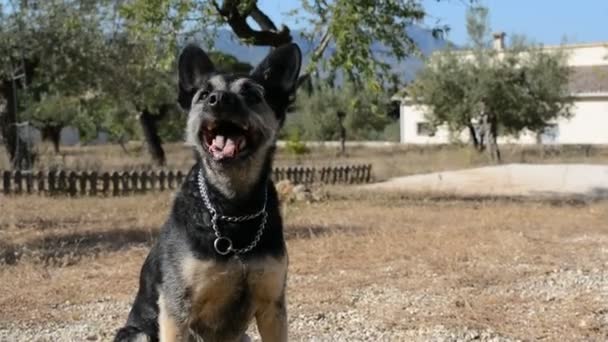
pixel 237 183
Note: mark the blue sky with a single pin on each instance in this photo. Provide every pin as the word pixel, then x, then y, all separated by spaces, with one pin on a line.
pixel 543 21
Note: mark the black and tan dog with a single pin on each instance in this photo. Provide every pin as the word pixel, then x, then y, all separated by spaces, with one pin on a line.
pixel 220 260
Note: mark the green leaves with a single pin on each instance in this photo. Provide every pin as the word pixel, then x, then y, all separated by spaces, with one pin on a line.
pixel 356 26
pixel 316 117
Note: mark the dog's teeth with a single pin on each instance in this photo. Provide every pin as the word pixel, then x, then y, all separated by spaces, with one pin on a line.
pixel 242 144
pixel 245 127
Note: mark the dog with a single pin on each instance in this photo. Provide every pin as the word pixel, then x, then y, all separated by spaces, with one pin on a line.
pixel 220 260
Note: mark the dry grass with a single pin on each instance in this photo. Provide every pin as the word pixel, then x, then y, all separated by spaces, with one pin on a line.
pixel 529 270
pixel 387 161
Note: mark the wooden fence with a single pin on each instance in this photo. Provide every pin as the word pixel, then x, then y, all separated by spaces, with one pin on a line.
pixel 94 183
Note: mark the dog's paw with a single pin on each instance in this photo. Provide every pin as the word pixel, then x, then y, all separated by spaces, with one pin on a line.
pixel 131 334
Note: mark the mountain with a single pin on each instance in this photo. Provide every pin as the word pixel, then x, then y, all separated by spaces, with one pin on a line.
pixel 228 43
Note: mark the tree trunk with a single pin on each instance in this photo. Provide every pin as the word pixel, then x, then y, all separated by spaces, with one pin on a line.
pixel 9 118
pixel 342 141
pixel 473 135
pixel 18 149
pixel 492 138
pixel 341 115
pixel 52 133
pixel 149 126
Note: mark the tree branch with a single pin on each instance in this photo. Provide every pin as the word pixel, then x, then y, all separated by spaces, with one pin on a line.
pixel 240 27
pixel 318 52
pixel 262 19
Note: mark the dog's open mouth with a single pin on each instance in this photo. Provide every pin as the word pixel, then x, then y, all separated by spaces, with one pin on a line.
pixel 225 140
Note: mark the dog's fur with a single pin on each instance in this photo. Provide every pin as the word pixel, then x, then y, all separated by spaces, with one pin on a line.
pixel 187 291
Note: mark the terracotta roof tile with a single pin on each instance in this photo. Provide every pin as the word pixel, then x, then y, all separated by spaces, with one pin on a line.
pixel 589 79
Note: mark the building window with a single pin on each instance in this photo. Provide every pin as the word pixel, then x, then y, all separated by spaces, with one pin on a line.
pixel 549 134
pixel 425 129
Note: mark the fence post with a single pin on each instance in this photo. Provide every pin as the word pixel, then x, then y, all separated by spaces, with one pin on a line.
pixel 301 174
pixel 347 175
pixel 288 174
pixel 170 179
pixel 180 178
pixel 325 175
pixel 143 180
pixel 62 182
pixel 52 182
pixel 6 182
pixel 162 177
pixel 40 177
pixel 124 177
pixel 152 179
pixel 105 183
pixel 115 184
pixel 93 183
pixel 18 185
pixel 134 182
pixel 84 177
pixel 29 182
pixel 72 180
pixel 310 175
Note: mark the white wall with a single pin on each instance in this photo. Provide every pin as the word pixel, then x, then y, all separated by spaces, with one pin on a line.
pixel 588 125
pixel 586 54
pixel 578 55
pixel 409 118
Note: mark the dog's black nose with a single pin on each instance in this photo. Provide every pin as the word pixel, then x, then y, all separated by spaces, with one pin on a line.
pixel 221 100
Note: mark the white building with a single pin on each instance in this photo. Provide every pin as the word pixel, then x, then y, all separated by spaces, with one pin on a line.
pixel 588 125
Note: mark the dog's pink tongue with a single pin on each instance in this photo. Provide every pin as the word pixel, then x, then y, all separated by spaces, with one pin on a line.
pixel 223 147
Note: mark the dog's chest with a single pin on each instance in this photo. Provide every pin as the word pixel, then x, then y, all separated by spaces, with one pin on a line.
pixel 230 292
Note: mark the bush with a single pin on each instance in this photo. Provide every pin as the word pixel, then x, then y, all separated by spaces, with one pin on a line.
pixel 316 114
pixel 392 132
pixel 295 145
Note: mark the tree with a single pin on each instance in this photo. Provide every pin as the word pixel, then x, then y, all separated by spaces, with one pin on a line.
pixel 350 27
pixel 55 52
pixel 346 32
pixel 365 113
pixel 490 92
pixel 125 50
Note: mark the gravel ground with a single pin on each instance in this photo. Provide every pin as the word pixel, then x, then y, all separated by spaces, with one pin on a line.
pixel 363 320
pixel 351 325
pixel 509 180
pixel 378 269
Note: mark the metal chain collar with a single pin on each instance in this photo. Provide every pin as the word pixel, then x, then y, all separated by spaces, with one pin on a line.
pixel 221 241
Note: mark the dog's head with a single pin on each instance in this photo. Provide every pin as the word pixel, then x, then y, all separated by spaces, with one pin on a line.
pixel 235 118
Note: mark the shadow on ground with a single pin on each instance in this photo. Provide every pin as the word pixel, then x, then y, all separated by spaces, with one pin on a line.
pixel 314 231
pixel 595 194
pixel 67 249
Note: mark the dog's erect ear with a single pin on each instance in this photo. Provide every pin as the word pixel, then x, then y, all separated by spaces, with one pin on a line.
pixel 194 68
pixel 280 69
pixel 278 73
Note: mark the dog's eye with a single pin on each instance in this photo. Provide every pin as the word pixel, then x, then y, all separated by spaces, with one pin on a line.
pixel 203 95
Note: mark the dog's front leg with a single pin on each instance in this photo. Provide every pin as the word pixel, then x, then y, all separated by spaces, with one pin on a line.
pixel 169 328
pixel 272 321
